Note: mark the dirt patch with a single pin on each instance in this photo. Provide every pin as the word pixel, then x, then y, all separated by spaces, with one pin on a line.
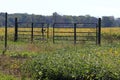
pixel 11 65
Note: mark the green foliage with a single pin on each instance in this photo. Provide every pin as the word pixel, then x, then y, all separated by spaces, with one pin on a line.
pixel 78 63
pixel 107 21
pixel 110 38
pixel 7 77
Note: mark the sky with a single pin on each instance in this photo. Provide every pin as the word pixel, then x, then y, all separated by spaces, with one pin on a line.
pixel 97 8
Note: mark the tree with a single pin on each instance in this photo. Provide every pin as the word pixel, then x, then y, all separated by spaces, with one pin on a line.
pixel 108 21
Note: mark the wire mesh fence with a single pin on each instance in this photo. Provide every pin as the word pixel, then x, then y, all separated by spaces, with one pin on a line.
pixel 110 35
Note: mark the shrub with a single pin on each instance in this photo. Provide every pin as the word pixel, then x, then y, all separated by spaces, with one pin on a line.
pixel 88 63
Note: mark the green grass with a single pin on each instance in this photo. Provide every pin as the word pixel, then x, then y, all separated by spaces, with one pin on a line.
pixel 63 61
pixel 7 77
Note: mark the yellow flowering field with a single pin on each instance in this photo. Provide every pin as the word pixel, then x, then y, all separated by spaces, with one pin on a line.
pixel 113 30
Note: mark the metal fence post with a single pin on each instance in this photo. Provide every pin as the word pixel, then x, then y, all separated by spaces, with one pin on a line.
pixel 53 32
pixel 16 30
pixel 47 31
pixel 6 30
pixel 96 33
pixel 74 33
pixel 42 31
pixel 99 31
pixel 5 44
pixel 32 32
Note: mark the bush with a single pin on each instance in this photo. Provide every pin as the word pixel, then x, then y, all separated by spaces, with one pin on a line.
pixel 87 63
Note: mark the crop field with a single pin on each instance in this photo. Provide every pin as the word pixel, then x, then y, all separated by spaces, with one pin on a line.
pixel 113 32
pixel 104 30
pixel 41 60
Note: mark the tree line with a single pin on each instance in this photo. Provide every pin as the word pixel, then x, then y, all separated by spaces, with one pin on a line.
pixel 107 21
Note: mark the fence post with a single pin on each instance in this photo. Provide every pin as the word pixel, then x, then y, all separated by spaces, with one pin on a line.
pixel 74 33
pixel 96 33
pixel 53 32
pixel 32 32
pixel 42 31
pixel 99 31
pixel 47 31
pixel 6 30
pixel 16 30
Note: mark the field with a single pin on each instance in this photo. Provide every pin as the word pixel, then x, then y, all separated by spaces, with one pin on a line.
pixel 47 61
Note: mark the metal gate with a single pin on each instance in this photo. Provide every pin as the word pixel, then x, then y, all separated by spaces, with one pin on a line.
pixel 31 31
pixel 82 33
